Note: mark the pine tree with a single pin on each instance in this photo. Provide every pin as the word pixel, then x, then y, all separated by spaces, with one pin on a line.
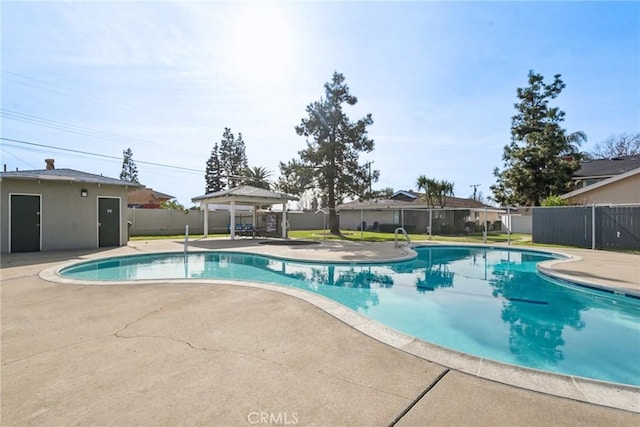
pixel 233 159
pixel 330 161
pixel 239 162
pixel 129 169
pixel 541 158
pixel 213 172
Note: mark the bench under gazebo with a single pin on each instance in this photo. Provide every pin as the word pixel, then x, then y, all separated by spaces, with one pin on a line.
pixel 244 195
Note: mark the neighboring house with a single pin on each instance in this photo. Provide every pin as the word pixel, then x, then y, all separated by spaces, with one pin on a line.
pixel 621 188
pixel 146 198
pixel 408 208
pixel 594 171
pixel 53 209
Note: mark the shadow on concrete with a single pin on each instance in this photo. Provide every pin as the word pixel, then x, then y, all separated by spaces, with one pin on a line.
pixel 21 259
pixel 223 243
pixel 325 250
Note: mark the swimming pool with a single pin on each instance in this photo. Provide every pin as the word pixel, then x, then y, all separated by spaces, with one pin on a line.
pixel 491 303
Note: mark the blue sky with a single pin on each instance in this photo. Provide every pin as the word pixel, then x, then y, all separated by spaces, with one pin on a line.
pixel 439 78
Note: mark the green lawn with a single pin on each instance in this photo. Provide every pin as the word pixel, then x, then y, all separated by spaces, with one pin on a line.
pixel 372 236
pixel 174 236
pixel 368 236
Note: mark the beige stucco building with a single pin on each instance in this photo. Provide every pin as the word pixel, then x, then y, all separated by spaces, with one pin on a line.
pixel 53 209
pixel 619 189
pixel 407 209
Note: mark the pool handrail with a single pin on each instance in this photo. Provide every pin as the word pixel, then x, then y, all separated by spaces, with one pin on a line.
pixel 404 232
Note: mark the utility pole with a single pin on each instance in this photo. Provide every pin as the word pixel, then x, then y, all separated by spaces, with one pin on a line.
pixel 370 190
pixel 475 186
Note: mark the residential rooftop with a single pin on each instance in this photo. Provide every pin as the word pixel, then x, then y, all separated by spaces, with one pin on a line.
pixel 608 167
pixel 70 175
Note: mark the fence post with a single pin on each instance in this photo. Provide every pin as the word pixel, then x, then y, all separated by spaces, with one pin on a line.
pixel 508 225
pixel 484 237
pixel 593 226
pixel 186 238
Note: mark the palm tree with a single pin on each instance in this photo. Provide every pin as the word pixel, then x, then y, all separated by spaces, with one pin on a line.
pixel 435 190
pixel 257 176
pixel 423 183
pixel 444 189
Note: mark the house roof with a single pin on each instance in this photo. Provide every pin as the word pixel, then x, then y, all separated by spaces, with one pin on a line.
pixel 600 184
pixel 409 194
pixel 417 203
pixel 245 194
pixel 159 195
pixel 67 175
pixel 142 193
pixel 607 167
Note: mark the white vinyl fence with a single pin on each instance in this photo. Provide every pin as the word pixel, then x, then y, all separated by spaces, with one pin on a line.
pixel 159 222
pixel 517 223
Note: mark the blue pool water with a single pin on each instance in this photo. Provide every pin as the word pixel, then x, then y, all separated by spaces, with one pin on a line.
pixel 490 303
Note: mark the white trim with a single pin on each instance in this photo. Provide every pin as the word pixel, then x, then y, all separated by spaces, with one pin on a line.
pixel 404 193
pixel 410 207
pixel 120 216
pixel 9 219
pixel 232 220
pixel 284 220
pixel 602 183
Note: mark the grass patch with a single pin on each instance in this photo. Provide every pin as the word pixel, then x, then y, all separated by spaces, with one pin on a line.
pixel 175 236
pixel 373 236
pixel 366 236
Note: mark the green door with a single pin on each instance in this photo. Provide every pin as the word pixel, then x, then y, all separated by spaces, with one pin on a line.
pixel 25 223
pixel 108 222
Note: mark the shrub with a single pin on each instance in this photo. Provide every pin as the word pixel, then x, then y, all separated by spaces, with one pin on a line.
pixel 390 228
pixel 445 229
pixel 553 200
pixel 470 227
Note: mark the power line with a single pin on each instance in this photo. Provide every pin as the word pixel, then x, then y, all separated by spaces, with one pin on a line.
pixel 62 90
pixel 4 149
pixel 66 127
pixel 105 156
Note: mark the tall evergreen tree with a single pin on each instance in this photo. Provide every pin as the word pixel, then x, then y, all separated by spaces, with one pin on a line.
pixel 330 161
pixel 129 169
pixel 239 164
pixel 213 173
pixel 233 158
pixel 541 158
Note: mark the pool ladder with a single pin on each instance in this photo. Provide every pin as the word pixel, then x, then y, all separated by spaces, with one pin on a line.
pixel 404 233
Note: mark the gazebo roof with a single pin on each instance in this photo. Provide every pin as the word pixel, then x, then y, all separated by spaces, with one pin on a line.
pixel 245 195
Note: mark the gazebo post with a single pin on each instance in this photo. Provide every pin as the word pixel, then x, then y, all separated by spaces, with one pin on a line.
pixel 232 221
pixel 255 219
pixel 244 195
pixel 284 219
pixel 206 219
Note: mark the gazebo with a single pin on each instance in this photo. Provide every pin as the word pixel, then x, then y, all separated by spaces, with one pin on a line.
pixel 244 195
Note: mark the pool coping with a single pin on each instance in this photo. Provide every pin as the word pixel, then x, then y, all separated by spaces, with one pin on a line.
pixel 614 395
pixel 546 269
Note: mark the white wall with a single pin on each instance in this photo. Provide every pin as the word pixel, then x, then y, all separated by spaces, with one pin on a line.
pixel 517 224
pixel 157 222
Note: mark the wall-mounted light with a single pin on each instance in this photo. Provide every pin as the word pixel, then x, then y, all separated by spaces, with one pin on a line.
pixel 84 192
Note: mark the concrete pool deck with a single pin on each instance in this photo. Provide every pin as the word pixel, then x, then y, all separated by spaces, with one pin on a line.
pixel 183 353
